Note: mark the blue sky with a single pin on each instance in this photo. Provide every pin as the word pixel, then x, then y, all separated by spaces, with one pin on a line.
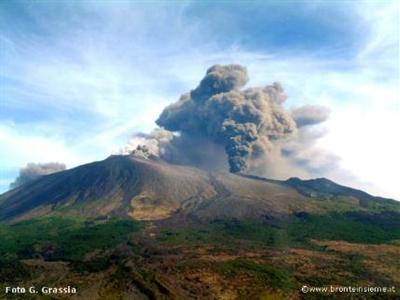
pixel 79 77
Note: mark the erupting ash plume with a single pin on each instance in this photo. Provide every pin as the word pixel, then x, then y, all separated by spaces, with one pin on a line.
pixel 246 122
pixel 154 144
pixel 220 125
pixel 32 171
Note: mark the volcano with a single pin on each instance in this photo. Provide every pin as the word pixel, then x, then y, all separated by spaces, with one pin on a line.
pixel 151 189
pixel 129 227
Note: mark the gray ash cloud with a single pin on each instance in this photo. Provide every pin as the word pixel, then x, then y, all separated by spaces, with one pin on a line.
pixel 310 115
pixel 34 170
pixel 222 125
pixel 246 122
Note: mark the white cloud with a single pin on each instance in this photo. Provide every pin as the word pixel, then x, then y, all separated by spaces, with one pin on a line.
pixel 102 85
pixel 21 148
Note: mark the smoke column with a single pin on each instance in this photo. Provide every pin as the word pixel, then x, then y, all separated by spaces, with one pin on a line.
pixel 32 171
pixel 246 123
pixel 222 125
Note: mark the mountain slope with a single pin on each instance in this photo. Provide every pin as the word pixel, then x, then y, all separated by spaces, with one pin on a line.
pixel 147 190
pixel 321 187
pixel 211 235
pixel 126 186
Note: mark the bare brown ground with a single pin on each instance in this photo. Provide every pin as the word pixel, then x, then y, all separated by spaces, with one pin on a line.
pixel 163 272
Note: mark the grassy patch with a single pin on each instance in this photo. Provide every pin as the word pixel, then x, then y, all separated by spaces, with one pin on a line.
pixel 294 232
pixel 382 206
pixel 272 275
pixel 340 227
pixel 227 234
pixel 62 238
pixel 336 204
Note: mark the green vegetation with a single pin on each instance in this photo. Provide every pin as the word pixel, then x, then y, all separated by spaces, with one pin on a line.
pixel 192 253
pixel 341 204
pixel 66 239
pixel 381 206
pixel 272 275
pixel 336 204
pixel 294 232
pixel 226 233
pixel 62 238
pixel 340 227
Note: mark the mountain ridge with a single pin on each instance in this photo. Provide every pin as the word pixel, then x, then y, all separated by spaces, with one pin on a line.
pixel 325 185
pixel 130 227
pixel 148 189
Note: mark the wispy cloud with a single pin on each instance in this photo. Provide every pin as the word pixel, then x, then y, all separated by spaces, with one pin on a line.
pixel 78 78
